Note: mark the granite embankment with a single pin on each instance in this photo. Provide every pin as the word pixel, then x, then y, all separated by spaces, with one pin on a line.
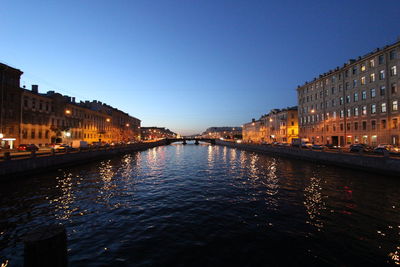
pixel 376 163
pixel 26 166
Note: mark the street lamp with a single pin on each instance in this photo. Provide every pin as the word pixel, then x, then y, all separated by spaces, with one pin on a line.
pixel 67 111
pixel 108 120
pixel 127 125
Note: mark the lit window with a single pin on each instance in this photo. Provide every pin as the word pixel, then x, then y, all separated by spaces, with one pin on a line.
pixel 364 95
pixel 373 93
pixel 355 97
pixel 341 113
pixel 341 100
pixel 383 107
pixel 373 109
pixel 363 80
pixel 395 105
pixel 364 110
pixel 348 112
pixel 372 77
pixel 372 63
pixel 356 111
pixel 382 74
pixel 363 67
pixel 393 71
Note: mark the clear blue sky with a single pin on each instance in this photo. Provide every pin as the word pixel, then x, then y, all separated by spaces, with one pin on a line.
pixel 189 64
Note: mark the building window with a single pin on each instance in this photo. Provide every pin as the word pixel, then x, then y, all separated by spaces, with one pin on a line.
pixel 355 97
pixel 341 113
pixel 364 110
pixel 393 71
pixel 362 67
pixel 394 123
pixel 354 83
pixel 383 124
pixel 348 126
pixel 382 90
pixel 334 114
pixel 340 87
pixel 363 80
pixel 341 126
pixel 373 108
pixel 348 112
pixel 381 74
pixel 333 102
pixel 381 59
pixel 354 70
pixel 347 86
pixel 364 125
pixel 348 99
pixel 392 54
pixel 356 126
pixel 341 100
pixel 372 63
pixel 356 111
pixel 383 107
pixel 372 77
pixel 373 125
pixel 33 134
pixel 333 90
pixel 364 95
pixel 373 93
pixel 393 87
pixel 395 105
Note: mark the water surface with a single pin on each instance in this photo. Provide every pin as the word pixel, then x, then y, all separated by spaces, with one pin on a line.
pixel 207 205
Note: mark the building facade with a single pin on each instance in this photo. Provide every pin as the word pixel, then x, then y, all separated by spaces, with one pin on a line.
pixel 225 132
pixel 30 117
pixel 357 103
pixel 155 133
pixel 279 125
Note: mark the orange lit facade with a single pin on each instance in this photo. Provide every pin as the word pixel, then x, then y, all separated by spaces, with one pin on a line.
pixel 30 117
pixel 279 125
pixel 357 103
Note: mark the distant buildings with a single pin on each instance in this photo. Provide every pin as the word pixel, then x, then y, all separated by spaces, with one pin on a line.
pixel 356 103
pixel 223 132
pixel 279 125
pixel 30 117
pixel 154 133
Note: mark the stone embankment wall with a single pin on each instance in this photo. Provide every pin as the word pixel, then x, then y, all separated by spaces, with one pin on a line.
pixel 23 167
pixel 379 164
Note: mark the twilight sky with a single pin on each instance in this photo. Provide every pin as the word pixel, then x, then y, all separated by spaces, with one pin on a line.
pixel 189 64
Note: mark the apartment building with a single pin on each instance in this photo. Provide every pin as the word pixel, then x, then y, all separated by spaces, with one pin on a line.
pixel 355 103
pixel 227 132
pixel 279 125
pixel 153 133
pixel 30 117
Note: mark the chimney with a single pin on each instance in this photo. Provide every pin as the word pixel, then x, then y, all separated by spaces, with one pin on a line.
pixel 35 88
pixel 73 99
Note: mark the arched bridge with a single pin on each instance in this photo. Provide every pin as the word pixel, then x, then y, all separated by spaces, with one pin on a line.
pixel 185 139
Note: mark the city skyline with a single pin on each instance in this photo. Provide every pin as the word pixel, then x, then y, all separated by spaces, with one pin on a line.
pixel 188 66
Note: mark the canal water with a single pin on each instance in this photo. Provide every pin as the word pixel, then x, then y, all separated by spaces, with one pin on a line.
pixel 207 205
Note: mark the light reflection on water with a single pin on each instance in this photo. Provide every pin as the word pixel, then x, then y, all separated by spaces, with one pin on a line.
pixel 171 205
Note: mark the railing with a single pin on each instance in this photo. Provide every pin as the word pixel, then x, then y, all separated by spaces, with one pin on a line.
pixel 53 152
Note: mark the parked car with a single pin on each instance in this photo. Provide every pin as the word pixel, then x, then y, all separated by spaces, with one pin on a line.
pixel 380 150
pixel 306 145
pixel 27 147
pixel 79 144
pixel 317 147
pixel 359 148
pixel 61 147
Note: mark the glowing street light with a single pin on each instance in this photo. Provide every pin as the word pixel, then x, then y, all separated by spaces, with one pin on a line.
pixel 67 111
pixel 108 120
pixel 1 135
pixel 312 111
pixel 127 125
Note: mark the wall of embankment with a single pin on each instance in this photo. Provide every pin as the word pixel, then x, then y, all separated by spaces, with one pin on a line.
pixel 379 164
pixel 27 166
